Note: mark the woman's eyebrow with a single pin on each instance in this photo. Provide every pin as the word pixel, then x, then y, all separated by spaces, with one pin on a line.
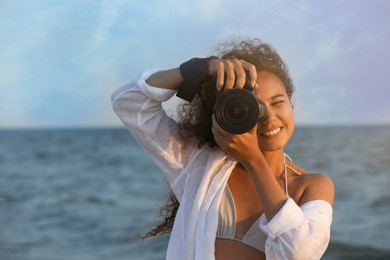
pixel 276 96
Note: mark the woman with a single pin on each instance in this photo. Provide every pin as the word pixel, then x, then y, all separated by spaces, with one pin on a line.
pixel 239 196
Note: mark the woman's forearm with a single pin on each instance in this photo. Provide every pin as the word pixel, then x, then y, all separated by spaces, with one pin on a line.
pixel 267 187
pixel 168 79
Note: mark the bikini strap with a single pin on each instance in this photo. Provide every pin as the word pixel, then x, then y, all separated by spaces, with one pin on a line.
pixel 295 172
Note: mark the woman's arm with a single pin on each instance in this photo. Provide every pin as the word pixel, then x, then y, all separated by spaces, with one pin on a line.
pixel 138 105
pixel 168 79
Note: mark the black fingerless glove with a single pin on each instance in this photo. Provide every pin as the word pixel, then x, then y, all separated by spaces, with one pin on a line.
pixel 194 72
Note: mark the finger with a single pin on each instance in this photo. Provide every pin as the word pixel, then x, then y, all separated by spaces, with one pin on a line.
pixel 217 135
pixel 220 75
pixel 230 75
pixel 254 129
pixel 213 130
pixel 218 128
pixel 251 69
pixel 240 73
pixel 215 127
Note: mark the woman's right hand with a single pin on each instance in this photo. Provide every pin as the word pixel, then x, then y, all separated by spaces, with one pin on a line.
pixel 231 73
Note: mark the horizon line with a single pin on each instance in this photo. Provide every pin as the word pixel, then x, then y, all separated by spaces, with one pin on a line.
pixel 108 127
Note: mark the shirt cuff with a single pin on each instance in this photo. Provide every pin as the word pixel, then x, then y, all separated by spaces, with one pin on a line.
pixel 154 93
pixel 288 217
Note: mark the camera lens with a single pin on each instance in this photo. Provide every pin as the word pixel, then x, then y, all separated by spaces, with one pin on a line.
pixel 237 110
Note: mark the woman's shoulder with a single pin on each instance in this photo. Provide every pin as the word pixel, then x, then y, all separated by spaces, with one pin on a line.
pixel 306 176
pixel 311 178
pixel 314 186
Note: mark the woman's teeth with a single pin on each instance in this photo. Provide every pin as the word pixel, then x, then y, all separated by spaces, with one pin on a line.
pixel 273 132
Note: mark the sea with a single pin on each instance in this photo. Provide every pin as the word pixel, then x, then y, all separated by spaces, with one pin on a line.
pixel 90 194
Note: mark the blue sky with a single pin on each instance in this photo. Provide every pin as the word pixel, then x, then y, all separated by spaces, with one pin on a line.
pixel 61 60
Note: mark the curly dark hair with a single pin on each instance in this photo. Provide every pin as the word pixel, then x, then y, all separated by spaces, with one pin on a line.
pixel 195 118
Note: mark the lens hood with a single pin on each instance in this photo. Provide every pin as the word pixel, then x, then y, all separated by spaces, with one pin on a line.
pixel 238 110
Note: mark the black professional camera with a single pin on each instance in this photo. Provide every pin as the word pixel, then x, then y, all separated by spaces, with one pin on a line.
pixel 238 110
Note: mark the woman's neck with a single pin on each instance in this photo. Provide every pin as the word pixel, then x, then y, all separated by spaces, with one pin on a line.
pixel 275 160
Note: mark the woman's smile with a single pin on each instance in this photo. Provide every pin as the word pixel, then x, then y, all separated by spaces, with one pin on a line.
pixel 272 132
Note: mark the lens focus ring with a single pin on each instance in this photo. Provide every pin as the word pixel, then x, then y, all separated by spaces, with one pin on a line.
pixel 237 111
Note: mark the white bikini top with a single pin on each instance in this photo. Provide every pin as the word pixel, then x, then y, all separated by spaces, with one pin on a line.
pixel 254 237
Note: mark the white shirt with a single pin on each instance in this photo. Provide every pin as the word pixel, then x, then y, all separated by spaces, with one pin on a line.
pixel 198 177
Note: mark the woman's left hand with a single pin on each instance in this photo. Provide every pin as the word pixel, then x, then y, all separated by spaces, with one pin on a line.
pixel 243 147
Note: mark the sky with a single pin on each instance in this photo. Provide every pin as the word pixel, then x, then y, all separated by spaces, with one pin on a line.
pixel 61 60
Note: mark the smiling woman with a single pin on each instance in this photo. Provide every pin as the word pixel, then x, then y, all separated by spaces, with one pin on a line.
pixel 235 196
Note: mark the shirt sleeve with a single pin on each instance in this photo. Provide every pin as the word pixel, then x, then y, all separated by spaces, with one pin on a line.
pixel 139 107
pixel 298 232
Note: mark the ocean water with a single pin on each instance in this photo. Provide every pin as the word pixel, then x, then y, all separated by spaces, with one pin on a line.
pixel 89 193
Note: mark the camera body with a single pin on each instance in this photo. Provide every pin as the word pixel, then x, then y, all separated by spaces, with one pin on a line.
pixel 238 110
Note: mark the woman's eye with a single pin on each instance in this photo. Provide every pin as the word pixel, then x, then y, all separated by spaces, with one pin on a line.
pixel 277 102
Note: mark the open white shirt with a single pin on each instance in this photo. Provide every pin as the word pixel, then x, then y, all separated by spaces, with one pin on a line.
pixel 198 177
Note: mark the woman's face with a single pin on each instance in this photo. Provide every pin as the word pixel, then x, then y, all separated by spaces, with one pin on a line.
pixel 276 130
